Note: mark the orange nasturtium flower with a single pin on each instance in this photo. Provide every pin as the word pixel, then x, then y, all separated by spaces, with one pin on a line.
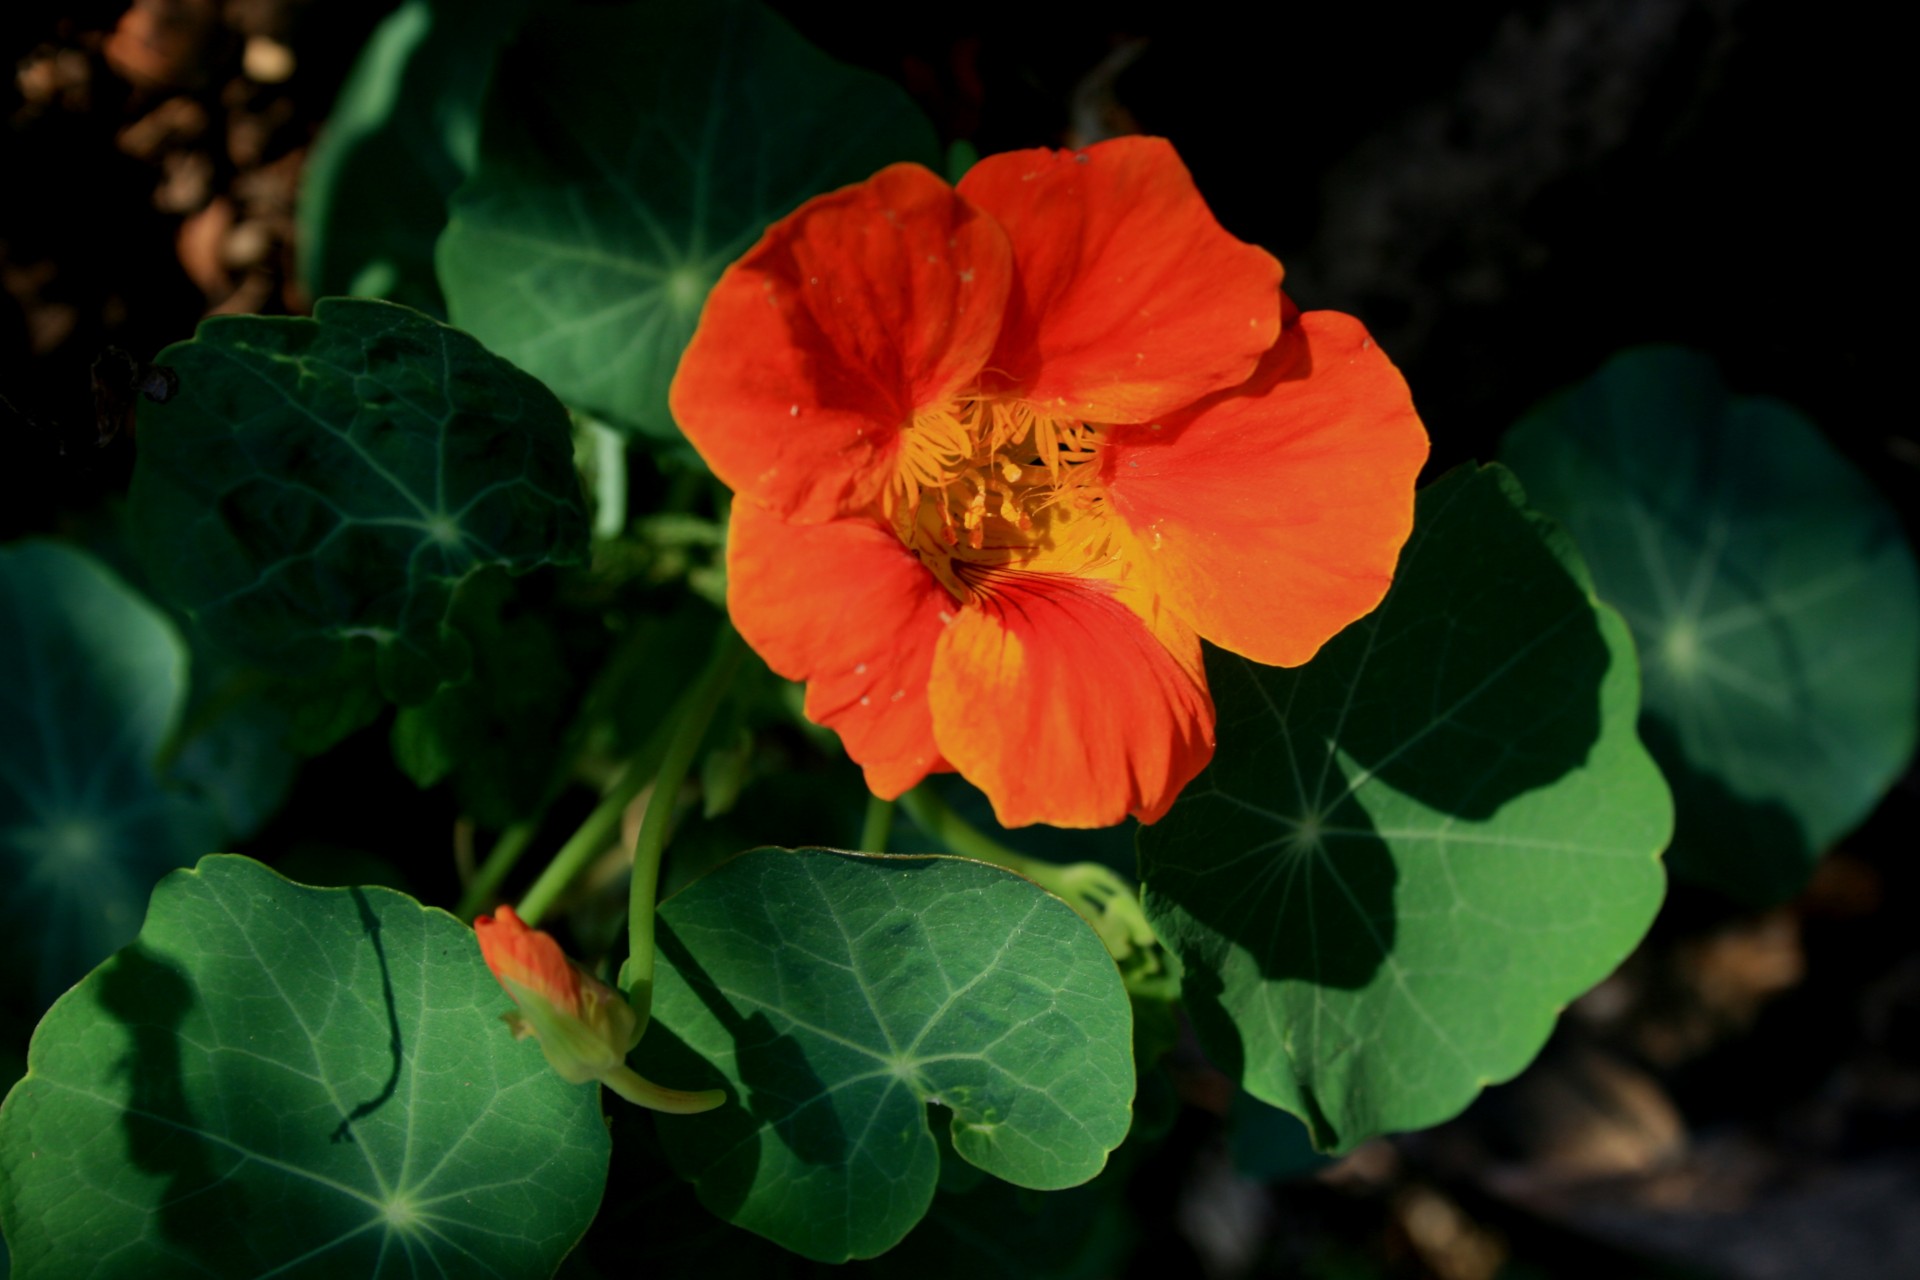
pixel 1003 454
pixel 585 1028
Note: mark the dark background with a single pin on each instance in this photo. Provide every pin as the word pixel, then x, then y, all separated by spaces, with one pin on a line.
pixel 1506 194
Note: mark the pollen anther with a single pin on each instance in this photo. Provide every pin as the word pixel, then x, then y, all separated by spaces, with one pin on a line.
pixel 1015 483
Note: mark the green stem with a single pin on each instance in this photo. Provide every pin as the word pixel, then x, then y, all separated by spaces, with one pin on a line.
pixel 609 480
pixel 501 858
pixel 931 814
pixel 877 826
pixel 513 841
pixel 598 831
pixel 689 728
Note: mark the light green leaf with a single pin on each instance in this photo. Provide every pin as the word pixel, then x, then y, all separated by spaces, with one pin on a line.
pixel 1772 594
pixel 628 154
pixel 403 135
pixel 277 1080
pixel 835 996
pixel 321 484
pixel 1410 853
pixel 92 678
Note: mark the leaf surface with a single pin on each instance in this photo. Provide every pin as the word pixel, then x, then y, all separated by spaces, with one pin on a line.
pixel 401 137
pixel 835 996
pixel 321 484
pixel 278 1080
pixel 92 678
pixel 1411 852
pixel 1772 594
pixel 627 155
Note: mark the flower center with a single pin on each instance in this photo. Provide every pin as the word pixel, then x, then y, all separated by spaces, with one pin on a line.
pixel 983 483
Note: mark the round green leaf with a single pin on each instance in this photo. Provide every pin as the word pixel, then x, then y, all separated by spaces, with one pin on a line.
pixel 92 677
pixel 1410 853
pixel 278 1080
pixel 628 154
pixel 835 996
pixel 315 484
pixel 402 136
pixel 1771 592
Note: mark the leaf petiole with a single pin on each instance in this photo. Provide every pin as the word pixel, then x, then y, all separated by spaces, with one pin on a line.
pixel 877 826
pixel 1101 895
pixel 688 728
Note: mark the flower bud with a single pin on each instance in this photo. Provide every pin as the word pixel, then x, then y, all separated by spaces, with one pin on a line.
pixel 585 1028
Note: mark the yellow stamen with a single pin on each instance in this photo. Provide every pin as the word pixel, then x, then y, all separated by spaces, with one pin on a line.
pixel 1024 488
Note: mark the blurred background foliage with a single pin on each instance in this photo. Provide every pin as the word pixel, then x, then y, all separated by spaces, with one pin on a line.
pixel 1508 195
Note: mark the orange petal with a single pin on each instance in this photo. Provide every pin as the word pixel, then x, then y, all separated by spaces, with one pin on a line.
pixel 1270 516
pixel 816 347
pixel 848 609
pixel 1130 300
pixel 528 957
pixel 1055 699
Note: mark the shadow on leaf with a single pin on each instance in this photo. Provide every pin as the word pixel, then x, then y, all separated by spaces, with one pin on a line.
pixel 151 999
pixel 1755 851
pixel 778 1091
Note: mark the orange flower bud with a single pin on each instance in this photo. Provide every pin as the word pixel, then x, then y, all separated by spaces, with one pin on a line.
pixel 585 1028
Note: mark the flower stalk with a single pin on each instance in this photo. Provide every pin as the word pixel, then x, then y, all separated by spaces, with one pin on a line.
pixel 877 826
pixel 1103 898
pixel 689 728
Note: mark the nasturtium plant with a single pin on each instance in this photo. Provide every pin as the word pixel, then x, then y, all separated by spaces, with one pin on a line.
pixel 628 153
pixel 320 484
pixel 839 997
pixel 1771 591
pixel 1410 854
pixel 92 680
pixel 273 1079
pixel 933 512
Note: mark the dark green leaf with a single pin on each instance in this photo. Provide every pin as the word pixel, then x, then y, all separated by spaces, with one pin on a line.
pixel 497 732
pixel 1772 594
pixel 277 1080
pixel 651 1223
pixel 628 154
pixel 420 747
pixel 92 678
pixel 402 136
pixel 834 996
pixel 234 742
pixel 1410 853
pixel 321 484
pixel 995 1229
